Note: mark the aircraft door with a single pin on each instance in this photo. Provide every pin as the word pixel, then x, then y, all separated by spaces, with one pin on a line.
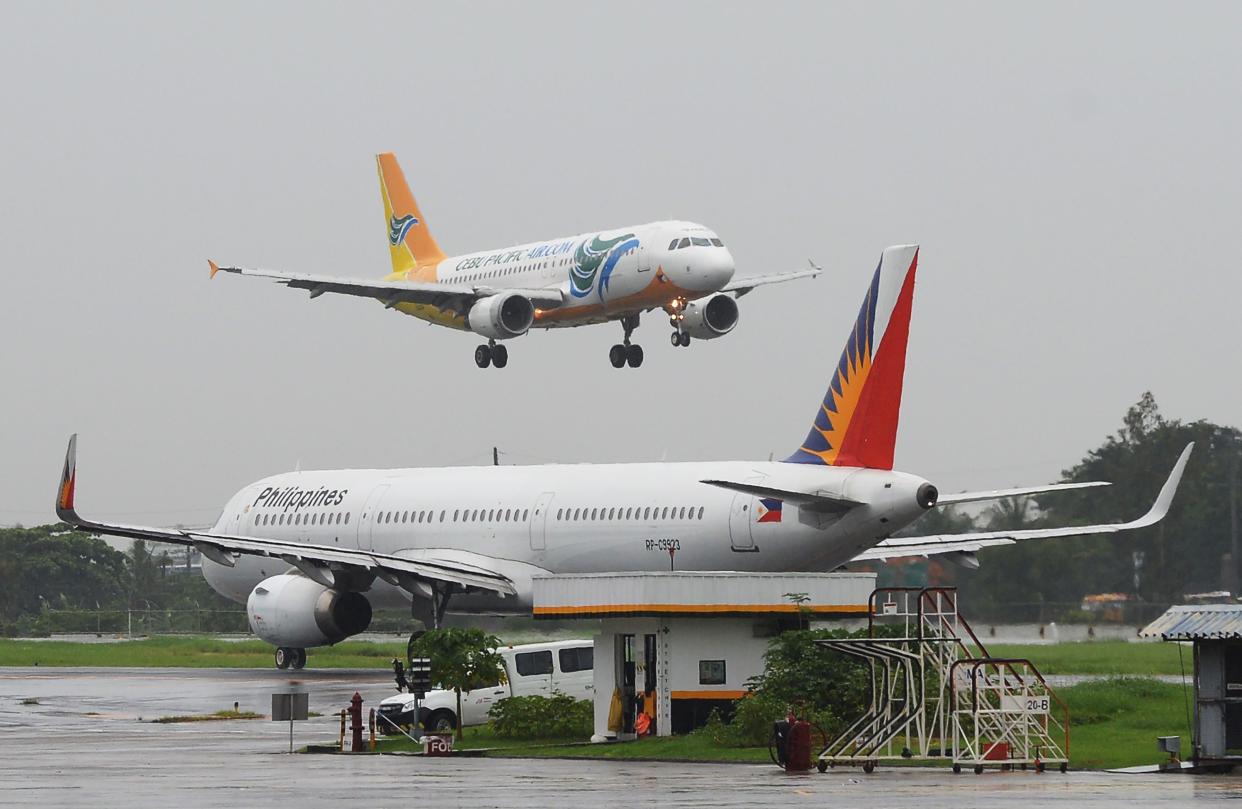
pixel 741 520
pixel 366 520
pixel 539 521
pixel 644 257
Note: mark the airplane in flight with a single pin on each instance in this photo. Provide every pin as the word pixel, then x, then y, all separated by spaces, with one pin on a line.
pixel 310 552
pixel 682 268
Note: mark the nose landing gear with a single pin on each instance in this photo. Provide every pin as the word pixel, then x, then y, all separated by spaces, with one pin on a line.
pixel 625 353
pixel 491 354
pixel 676 309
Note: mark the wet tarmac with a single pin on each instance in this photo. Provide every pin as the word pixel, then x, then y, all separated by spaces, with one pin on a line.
pixel 83 744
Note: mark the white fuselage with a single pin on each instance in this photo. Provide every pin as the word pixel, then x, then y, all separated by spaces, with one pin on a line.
pixel 526 521
pixel 602 275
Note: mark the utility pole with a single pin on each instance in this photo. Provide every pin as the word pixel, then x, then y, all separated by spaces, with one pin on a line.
pixel 1233 509
pixel 495 456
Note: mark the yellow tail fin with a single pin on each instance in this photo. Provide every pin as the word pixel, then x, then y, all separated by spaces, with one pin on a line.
pixel 409 240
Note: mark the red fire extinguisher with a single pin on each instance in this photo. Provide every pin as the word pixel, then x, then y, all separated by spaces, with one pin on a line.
pixel 791 743
pixel 799 745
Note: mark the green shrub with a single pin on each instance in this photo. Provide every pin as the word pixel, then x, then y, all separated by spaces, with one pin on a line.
pixel 559 716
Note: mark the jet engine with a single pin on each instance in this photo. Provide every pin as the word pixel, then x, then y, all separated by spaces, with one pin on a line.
pixel 502 316
pixel 710 318
pixel 292 611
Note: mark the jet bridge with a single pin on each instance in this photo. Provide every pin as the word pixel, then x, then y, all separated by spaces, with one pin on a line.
pixel 937 695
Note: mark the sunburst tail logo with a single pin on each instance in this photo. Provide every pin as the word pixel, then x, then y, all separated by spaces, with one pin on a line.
pixel 398 227
pixel 856 425
pixel 588 258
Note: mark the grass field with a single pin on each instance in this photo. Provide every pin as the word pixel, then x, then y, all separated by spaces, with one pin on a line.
pixel 1110 658
pixel 190 652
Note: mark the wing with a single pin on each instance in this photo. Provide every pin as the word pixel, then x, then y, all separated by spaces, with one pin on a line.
pixel 968 544
pixel 316 562
pixel 458 297
pixel 740 286
pixel 813 501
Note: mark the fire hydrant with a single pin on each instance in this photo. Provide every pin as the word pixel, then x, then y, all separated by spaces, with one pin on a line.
pixel 355 721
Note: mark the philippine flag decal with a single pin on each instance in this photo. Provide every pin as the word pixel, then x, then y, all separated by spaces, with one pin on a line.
pixel 769 509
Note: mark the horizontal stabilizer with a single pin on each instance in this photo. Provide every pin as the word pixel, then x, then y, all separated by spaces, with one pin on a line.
pixel 896 547
pixel 997 494
pixel 811 501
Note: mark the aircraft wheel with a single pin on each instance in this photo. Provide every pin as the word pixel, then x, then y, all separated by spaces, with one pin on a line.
pixel 299 659
pixel 685 339
pixel 634 355
pixel 616 355
pixel 483 356
pixel 675 338
pixel 500 356
pixel 284 657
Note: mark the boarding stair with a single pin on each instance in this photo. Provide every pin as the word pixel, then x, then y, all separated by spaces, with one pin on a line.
pixel 937 695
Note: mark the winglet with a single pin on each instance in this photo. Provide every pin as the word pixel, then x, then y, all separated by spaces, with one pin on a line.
pixel 68 480
pixel 215 268
pixel 1165 499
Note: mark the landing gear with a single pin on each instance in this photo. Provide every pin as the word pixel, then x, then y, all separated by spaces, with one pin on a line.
pixel 625 353
pixel 288 657
pixel 680 338
pixel 491 354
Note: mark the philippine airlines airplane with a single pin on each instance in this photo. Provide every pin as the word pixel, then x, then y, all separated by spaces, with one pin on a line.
pixel 309 553
pixel 680 267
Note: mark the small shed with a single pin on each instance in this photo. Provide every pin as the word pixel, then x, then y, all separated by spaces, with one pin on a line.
pixel 675 645
pixel 1215 630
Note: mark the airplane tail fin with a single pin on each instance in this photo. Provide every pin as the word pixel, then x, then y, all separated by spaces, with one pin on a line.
pixel 857 423
pixel 409 240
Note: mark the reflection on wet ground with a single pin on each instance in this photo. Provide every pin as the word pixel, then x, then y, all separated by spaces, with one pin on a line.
pixel 83 744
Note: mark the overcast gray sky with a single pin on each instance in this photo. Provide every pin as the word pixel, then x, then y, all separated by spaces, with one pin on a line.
pixel 1071 170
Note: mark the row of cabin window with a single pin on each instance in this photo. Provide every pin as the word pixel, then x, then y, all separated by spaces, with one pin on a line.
pixel 469 515
pixel 632 513
pixel 697 241
pixel 479 276
pixel 332 518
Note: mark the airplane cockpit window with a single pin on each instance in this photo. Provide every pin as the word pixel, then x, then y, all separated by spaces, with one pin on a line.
pixel 717 243
pixel 672 245
pixel 685 242
pixel 700 241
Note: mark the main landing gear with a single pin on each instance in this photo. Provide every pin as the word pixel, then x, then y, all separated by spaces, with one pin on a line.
pixel 625 353
pixel 491 354
pixel 288 657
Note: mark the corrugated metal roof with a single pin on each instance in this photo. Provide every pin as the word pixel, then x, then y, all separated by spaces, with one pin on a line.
pixel 1197 622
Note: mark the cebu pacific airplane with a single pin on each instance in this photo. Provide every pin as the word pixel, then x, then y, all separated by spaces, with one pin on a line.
pixel 681 268
pixel 310 553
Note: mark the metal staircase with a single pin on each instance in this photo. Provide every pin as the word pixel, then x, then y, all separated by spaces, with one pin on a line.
pixel 937 695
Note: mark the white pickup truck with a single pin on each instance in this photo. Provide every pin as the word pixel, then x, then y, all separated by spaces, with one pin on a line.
pixel 531 669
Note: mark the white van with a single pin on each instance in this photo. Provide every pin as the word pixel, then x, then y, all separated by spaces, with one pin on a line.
pixel 531 669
